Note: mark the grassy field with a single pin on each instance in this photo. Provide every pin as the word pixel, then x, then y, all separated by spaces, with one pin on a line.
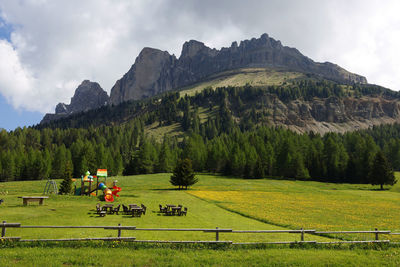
pixel 197 257
pixel 150 190
pixel 310 205
pixel 213 202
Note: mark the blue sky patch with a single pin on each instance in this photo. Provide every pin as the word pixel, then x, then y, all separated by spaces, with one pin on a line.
pixel 11 118
pixel 5 30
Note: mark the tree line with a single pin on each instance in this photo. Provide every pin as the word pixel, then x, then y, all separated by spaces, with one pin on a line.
pixel 27 154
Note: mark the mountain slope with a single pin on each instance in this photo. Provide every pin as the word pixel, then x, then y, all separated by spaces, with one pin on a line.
pixel 301 105
pixel 156 71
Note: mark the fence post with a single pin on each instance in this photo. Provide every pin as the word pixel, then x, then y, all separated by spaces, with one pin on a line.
pixel 217 234
pixel 302 234
pixel 376 234
pixel 119 230
pixel 3 230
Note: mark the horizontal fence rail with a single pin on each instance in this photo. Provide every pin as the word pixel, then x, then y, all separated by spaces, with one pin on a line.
pixel 81 239
pixel 216 230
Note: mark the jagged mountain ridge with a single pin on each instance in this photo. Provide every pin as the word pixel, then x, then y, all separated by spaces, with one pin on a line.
pixel 89 95
pixel 156 71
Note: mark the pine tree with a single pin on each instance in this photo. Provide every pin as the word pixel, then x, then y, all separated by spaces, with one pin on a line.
pixel 145 158
pixel 297 167
pixel 66 184
pixel 259 170
pixel 9 168
pixel 118 166
pixel 196 151
pixel 164 158
pixel 284 158
pixel 58 165
pixel 90 156
pixel 183 175
pixel 46 164
pixel 101 157
pixel 381 173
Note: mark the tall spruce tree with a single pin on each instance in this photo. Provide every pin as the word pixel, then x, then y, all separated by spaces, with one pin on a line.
pixel 381 173
pixel 58 165
pixel 183 175
pixel 145 157
pixel 66 184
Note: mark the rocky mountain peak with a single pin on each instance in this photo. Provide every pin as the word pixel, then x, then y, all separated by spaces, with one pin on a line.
pixel 263 42
pixel 234 45
pixel 85 86
pixel 150 54
pixel 145 74
pixel 157 71
pixel 61 108
pixel 89 95
pixel 193 47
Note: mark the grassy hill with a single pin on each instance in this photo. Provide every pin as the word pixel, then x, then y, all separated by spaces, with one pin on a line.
pixel 241 77
pixel 214 201
pixel 251 76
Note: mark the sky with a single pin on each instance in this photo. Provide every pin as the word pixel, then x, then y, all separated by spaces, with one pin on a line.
pixel 48 47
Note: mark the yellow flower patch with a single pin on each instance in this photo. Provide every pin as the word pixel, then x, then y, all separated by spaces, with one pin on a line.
pixel 315 210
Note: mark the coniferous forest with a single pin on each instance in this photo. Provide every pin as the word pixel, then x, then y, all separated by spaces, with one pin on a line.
pixel 115 138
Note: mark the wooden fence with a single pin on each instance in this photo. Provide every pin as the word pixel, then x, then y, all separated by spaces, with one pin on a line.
pixel 217 231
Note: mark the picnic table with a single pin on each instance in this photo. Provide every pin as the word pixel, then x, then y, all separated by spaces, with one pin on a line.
pixel 109 207
pixel 169 207
pixel 176 209
pixel 133 206
pixel 27 199
pixel 135 209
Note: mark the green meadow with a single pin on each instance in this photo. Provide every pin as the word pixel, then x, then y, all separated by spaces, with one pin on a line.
pixel 215 201
pixel 242 77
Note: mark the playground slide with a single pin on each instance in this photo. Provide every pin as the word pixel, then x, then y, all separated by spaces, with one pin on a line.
pixel 108 194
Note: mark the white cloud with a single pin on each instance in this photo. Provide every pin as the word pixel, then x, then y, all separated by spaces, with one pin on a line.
pixel 15 81
pixel 365 40
pixel 57 44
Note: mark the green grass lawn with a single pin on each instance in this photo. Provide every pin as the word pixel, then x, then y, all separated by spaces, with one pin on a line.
pixel 197 257
pixel 215 201
pixel 150 190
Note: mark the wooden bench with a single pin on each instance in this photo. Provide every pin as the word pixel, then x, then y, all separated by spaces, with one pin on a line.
pixel 32 199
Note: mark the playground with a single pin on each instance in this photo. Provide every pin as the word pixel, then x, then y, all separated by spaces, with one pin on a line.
pixel 89 185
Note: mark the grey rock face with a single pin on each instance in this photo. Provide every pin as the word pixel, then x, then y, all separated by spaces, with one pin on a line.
pixel 61 108
pixel 151 74
pixel 332 114
pixel 89 95
pixel 156 71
